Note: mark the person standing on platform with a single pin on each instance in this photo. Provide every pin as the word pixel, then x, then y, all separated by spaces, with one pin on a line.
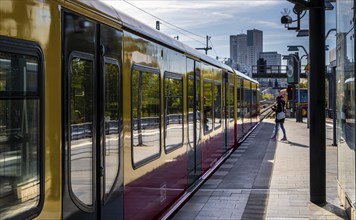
pixel 280 116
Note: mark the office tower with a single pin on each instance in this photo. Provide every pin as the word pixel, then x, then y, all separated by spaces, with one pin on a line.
pixel 238 49
pixel 245 49
pixel 254 46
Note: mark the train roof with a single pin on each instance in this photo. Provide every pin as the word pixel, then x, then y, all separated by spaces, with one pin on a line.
pixel 132 24
pixel 240 74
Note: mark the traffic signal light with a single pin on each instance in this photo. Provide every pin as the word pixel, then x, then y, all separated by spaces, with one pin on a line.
pixel 290 92
pixel 276 83
pixel 292 69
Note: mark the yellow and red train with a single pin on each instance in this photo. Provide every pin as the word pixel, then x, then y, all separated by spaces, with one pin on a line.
pixel 102 117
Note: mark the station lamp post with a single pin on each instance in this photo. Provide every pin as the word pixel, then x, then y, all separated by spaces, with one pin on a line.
pixel 317 162
pixel 303 33
pixel 295 48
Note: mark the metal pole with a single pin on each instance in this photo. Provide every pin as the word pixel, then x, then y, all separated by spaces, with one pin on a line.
pixel 207 44
pixel 317 102
pixel 308 113
pixel 299 66
pixel 333 86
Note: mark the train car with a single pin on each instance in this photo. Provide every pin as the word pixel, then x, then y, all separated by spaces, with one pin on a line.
pixel 103 117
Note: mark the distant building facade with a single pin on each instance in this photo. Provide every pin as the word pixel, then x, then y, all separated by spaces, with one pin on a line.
pixel 272 58
pixel 254 46
pixel 238 49
pixel 245 49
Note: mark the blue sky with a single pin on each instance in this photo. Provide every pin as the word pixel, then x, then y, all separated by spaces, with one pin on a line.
pixel 222 18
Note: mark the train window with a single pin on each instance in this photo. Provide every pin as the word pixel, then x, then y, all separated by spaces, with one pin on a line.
pixel 146 112
pixel 21 119
pixel 239 100
pixel 231 102
pixel 193 105
pixel 217 105
pixel 81 125
pixel 247 97
pixel 254 102
pixel 173 111
pixel 190 105
pixel 208 105
pixel 112 123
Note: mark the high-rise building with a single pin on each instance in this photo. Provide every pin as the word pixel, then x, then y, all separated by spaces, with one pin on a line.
pixel 245 49
pixel 254 46
pixel 272 58
pixel 238 49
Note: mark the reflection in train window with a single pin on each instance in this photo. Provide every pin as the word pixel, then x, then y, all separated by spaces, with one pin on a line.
pixel 190 106
pixel 20 139
pixel 254 101
pixel 112 126
pixel 146 112
pixel 207 104
pixel 230 102
pixel 173 111
pixel 239 99
pixel 217 105
pixel 81 120
pixel 247 98
pixel 193 104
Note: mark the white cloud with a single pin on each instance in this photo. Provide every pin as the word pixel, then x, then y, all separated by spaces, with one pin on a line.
pixel 269 24
pixel 217 18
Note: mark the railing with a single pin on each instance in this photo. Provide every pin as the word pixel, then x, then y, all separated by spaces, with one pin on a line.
pixel 269 69
pixel 273 71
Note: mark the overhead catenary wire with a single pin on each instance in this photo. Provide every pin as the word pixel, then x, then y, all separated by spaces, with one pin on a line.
pixel 184 34
pixel 213 47
pixel 167 24
pixel 163 20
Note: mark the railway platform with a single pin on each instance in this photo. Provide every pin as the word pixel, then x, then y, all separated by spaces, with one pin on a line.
pixel 266 179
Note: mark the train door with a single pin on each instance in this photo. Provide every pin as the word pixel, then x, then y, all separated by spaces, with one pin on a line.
pixel 92 122
pixel 240 107
pixel 194 120
pixel 229 110
pixel 225 97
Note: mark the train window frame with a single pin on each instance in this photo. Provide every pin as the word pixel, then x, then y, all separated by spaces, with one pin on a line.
pixel 193 90
pixel 31 49
pixel 140 163
pixel 88 57
pixel 112 61
pixel 205 120
pixel 239 99
pixel 231 91
pixel 217 83
pixel 174 76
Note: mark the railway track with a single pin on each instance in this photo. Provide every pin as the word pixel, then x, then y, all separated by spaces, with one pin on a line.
pixel 266 112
